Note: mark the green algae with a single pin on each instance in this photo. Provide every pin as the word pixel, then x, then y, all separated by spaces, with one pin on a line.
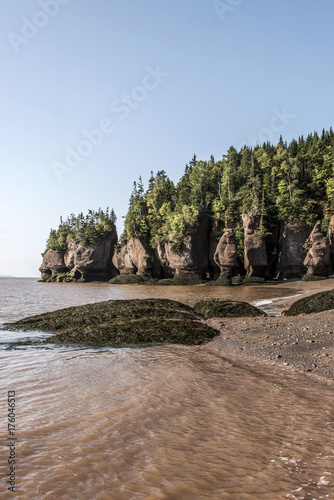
pixel 317 302
pixel 226 309
pixel 121 322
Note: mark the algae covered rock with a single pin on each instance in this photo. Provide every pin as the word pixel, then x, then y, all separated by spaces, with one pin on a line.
pixel 121 322
pixel 317 302
pixel 226 309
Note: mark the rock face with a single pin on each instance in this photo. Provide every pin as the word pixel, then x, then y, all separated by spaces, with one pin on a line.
pixel 291 253
pixel 226 257
pixel 81 262
pixel 136 257
pixel 318 259
pixel 255 259
pixel 192 259
pixel 53 263
pixel 331 241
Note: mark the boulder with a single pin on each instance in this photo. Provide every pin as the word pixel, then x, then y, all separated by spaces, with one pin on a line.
pixel 317 302
pixel 291 253
pixel 255 257
pixel 318 260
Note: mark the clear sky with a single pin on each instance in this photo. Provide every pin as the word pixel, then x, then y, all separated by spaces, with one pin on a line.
pixel 95 93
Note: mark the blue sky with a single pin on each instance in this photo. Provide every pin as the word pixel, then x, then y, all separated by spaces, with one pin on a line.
pixel 138 86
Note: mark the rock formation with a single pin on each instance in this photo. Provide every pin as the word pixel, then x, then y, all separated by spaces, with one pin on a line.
pixel 190 262
pixel 137 258
pixel 81 262
pixel 226 257
pixel 291 254
pixel 317 259
pixel 255 259
pixel 53 263
pixel 331 241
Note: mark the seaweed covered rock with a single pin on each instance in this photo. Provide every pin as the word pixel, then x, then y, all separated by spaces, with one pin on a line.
pixel 318 259
pixel 255 258
pixel 121 322
pixel 127 279
pixel 226 309
pixel 317 302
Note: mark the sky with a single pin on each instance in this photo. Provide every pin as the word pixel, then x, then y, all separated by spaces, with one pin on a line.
pixel 95 93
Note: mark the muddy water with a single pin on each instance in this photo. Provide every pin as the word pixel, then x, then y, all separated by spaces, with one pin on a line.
pixel 161 422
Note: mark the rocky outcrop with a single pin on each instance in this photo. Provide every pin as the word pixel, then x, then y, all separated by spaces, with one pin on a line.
pixel 255 257
pixel 226 309
pixel 291 254
pixel 53 263
pixel 189 259
pixel 226 257
pixel 317 260
pixel 331 241
pixel 137 258
pixel 81 262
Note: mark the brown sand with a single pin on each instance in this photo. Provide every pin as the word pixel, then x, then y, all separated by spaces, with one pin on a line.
pixel 305 342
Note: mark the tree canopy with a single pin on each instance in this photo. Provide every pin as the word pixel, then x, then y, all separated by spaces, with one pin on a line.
pixel 287 182
pixel 82 228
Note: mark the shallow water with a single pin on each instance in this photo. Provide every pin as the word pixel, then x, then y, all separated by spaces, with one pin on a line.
pixel 167 422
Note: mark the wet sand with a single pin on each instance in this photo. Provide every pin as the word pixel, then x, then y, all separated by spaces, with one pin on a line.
pixel 304 342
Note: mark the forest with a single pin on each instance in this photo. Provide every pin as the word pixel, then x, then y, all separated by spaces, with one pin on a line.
pixel 285 182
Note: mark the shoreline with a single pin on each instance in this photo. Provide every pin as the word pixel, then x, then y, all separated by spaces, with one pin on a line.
pixel 304 342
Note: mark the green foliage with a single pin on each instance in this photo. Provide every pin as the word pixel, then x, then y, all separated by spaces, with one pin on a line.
pixel 291 182
pixel 82 229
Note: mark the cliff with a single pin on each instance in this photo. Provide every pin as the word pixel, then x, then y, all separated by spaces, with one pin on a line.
pixel 81 262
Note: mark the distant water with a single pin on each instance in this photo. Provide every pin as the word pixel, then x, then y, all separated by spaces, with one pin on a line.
pixel 169 422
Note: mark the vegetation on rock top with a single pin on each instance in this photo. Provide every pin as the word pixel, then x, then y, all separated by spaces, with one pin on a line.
pixel 82 229
pixel 287 182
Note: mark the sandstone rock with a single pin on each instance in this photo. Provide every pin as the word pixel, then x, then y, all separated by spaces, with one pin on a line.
pixel 84 262
pixel 53 263
pixel 214 270
pixel 136 257
pixel 291 253
pixel 331 241
pixel 226 257
pixel 255 259
pixel 193 256
pixel 317 259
